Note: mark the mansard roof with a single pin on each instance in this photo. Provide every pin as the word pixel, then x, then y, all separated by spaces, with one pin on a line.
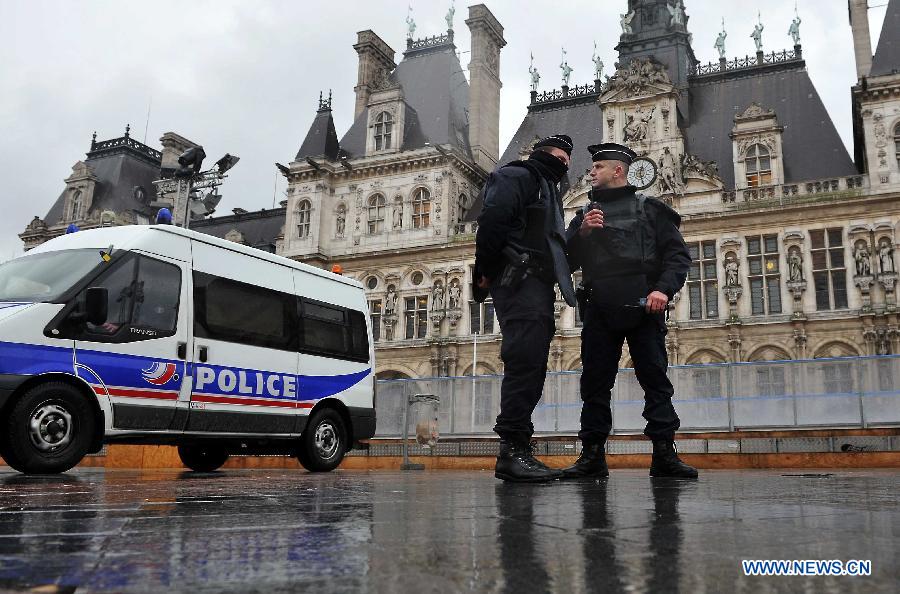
pixel 260 229
pixel 436 94
pixel 321 140
pixel 887 55
pixel 812 147
pixel 120 165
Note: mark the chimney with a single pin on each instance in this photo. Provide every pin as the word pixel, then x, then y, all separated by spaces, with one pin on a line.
pixel 862 42
pixel 484 85
pixel 375 56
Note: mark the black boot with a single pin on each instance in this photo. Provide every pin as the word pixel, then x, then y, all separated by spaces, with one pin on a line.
pixel 666 462
pixel 591 463
pixel 517 464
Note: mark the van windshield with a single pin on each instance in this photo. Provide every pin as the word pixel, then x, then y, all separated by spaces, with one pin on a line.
pixel 46 276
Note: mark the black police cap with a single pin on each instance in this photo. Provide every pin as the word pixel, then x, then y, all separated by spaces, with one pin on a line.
pixel 611 151
pixel 560 141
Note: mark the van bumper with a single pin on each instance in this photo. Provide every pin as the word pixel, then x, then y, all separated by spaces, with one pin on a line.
pixel 362 422
pixel 9 383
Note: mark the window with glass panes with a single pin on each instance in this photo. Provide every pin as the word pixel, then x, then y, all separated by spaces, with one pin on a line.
pixel 421 208
pixel 764 274
pixel 376 213
pixel 707 382
pixel 416 311
pixel 703 280
pixel 758 166
pixel 837 378
pixel 481 317
pixel 770 381
pixel 829 269
pixel 384 125
pixel 375 315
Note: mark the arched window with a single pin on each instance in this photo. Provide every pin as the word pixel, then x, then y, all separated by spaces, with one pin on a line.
pixel 463 206
pixel 384 125
pixel 303 210
pixel 376 213
pixel 758 166
pixel 897 143
pixel 421 208
pixel 75 210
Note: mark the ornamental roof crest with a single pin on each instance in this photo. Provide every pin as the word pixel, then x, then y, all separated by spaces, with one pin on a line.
pixel 642 76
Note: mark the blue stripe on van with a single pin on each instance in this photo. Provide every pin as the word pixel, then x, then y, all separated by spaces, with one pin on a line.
pixel 34 359
pixel 132 371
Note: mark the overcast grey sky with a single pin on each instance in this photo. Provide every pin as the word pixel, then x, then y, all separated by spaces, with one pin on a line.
pixel 244 77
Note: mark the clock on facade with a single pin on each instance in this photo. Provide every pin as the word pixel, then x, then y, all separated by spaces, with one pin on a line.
pixel 642 173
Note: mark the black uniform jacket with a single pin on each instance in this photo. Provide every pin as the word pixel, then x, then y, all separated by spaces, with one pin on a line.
pixel 669 270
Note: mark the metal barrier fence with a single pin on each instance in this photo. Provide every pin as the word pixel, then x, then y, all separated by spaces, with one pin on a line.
pixel 851 392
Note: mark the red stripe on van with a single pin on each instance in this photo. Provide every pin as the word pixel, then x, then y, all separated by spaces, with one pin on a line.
pixel 154 394
pixel 249 401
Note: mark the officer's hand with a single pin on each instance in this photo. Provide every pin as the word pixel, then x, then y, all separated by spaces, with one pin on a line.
pixel 484 282
pixel 656 302
pixel 592 220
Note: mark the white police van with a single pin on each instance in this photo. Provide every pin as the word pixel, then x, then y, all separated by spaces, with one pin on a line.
pixel 161 335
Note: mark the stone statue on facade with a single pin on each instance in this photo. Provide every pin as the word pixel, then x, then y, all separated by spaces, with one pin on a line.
pixel 625 21
pixel 861 256
pixel 340 221
pixel 598 64
pixel 794 30
pixel 886 257
pixel 720 41
pixel 565 68
pixel 757 35
pixel 535 75
pixel 450 13
pixel 397 215
pixel 731 273
pixel 668 173
pixel 676 13
pixel 454 294
pixel 437 297
pixel 637 126
pixel 390 300
pixel 795 266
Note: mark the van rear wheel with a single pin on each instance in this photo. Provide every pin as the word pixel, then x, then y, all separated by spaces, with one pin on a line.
pixel 202 458
pixel 48 430
pixel 324 441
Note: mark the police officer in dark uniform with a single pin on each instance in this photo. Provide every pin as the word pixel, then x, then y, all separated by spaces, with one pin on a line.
pixel 634 260
pixel 519 256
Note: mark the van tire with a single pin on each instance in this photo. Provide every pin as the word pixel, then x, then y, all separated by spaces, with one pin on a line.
pixel 323 442
pixel 48 430
pixel 202 458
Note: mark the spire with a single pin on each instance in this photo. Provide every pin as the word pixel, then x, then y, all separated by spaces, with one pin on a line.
pixel 321 139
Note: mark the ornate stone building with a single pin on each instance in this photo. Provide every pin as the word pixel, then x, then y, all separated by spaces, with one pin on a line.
pixel 792 239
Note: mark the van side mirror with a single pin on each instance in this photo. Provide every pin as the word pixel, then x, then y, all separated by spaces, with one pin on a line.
pixel 95 305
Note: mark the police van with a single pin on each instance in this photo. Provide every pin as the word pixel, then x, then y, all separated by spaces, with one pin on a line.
pixel 161 335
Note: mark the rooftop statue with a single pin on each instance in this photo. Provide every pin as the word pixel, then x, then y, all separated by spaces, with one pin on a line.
pixel 757 34
pixel 625 21
pixel 720 41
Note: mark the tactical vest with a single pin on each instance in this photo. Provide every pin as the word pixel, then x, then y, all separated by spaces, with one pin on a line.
pixel 626 245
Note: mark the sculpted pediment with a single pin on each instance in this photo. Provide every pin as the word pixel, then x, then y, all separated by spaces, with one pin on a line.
pixel 640 78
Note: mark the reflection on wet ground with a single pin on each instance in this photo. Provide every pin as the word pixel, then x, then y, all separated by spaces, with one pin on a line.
pixel 290 531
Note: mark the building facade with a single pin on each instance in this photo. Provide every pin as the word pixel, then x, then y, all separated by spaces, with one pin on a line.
pixel 792 239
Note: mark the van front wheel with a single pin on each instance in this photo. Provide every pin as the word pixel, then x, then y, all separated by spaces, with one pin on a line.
pixel 48 430
pixel 202 458
pixel 324 441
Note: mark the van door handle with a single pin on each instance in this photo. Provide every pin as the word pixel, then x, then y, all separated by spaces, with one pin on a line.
pixel 203 354
pixel 182 350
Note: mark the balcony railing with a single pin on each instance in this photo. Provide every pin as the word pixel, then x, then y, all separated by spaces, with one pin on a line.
pixel 799 192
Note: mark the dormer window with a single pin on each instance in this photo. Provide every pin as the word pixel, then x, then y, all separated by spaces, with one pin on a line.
pixel 384 126
pixel 303 211
pixel 421 208
pixel 758 166
pixel 376 214
pixel 75 209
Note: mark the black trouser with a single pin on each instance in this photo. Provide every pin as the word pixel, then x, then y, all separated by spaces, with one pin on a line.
pixel 602 337
pixel 526 321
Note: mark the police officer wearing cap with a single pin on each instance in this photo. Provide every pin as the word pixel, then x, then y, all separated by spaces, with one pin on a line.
pixel 634 260
pixel 519 257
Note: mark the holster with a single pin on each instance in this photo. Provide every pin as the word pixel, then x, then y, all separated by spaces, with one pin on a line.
pixel 517 269
pixel 583 297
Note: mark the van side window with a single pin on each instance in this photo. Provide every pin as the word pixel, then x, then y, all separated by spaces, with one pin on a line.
pixel 143 302
pixel 333 331
pixel 232 311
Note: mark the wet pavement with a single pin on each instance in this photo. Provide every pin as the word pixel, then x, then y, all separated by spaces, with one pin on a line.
pixel 288 531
